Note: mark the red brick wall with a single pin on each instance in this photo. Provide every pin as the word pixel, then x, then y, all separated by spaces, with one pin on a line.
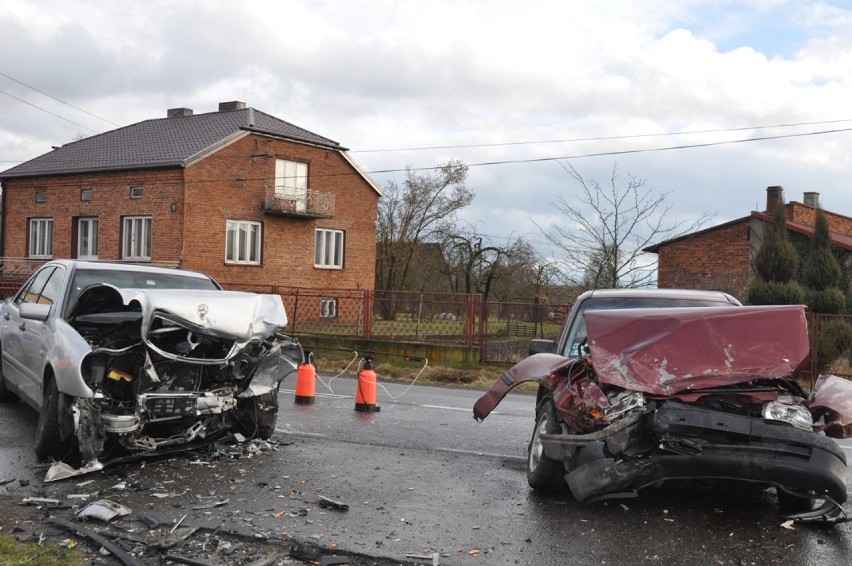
pixel 110 201
pixel 716 260
pixel 229 184
pixel 803 214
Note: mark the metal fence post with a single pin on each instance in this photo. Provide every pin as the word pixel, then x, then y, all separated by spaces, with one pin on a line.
pixel 367 301
pixel 468 326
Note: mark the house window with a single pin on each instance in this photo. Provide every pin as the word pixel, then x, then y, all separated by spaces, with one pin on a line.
pixel 41 237
pixel 136 191
pixel 328 248
pixel 86 193
pixel 87 238
pixel 136 238
pixel 242 242
pixel 291 182
pixel 41 196
pixel 328 308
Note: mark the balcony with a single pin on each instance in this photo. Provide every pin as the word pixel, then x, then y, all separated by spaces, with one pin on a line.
pixel 311 204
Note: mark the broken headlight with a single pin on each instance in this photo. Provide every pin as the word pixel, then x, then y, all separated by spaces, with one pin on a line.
pixel 796 415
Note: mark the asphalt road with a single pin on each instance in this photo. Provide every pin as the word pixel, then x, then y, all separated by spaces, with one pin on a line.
pixel 421 477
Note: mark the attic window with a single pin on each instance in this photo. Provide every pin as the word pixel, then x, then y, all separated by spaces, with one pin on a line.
pixel 136 191
pixel 41 196
pixel 86 193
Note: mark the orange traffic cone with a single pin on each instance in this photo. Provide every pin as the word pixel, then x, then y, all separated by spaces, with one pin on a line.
pixel 365 395
pixel 306 382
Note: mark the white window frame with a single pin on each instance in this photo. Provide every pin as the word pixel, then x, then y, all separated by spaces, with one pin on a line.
pixel 136 238
pixel 243 242
pixel 329 246
pixel 291 182
pixel 87 237
pixel 41 238
pixel 328 308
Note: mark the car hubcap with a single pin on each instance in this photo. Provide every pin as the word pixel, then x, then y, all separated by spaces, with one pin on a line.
pixel 536 448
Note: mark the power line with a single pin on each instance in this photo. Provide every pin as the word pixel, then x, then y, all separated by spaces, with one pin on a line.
pixel 48 111
pixel 601 138
pixel 59 100
pixel 538 159
pixel 621 152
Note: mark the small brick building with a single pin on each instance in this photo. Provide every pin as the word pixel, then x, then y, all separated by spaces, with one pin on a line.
pixel 719 258
pixel 238 194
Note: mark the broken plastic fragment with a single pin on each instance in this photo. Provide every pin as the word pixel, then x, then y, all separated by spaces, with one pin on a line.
pixel 61 470
pixel 104 510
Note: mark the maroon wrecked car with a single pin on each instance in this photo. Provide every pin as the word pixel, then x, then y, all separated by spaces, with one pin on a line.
pixel 651 395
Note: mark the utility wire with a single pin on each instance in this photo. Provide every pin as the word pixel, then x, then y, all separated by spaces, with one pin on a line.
pixel 49 112
pixel 531 160
pixel 59 100
pixel 620 152
pixel 602 138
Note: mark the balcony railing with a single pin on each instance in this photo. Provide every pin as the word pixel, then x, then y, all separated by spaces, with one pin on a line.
pixel 311 204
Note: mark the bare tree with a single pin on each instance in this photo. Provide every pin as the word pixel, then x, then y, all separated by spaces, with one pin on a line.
pixel 607 229
pixel 419 210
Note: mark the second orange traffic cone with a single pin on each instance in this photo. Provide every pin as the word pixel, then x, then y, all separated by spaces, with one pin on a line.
pixel 365 394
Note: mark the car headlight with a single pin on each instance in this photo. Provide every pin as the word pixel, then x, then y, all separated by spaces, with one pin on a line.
pixel 796 415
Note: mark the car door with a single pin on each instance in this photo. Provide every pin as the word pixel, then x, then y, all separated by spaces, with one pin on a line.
pixel 25 340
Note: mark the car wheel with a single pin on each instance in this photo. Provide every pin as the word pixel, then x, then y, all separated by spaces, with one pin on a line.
pixel 258 415
pixel 55 428
pixel 544 474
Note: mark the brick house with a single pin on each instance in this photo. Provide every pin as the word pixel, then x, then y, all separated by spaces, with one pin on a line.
pixel 719 258
pixel 241 195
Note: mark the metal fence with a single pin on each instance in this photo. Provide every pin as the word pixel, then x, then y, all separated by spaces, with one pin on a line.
pixel 500 330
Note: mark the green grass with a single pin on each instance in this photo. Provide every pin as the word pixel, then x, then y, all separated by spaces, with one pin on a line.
pixel 14 552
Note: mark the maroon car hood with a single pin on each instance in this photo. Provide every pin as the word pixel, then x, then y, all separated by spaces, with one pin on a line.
pixel 667 351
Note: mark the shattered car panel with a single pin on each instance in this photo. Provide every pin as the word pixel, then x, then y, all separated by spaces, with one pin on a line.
pixel 686 394
pixel 142 369
pixel 673 350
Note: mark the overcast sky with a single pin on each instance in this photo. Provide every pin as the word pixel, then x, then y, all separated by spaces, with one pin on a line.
pixel 480 81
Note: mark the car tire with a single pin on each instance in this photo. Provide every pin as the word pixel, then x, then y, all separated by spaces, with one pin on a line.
pixel 258 415
pixel 54 431
pixel 544 474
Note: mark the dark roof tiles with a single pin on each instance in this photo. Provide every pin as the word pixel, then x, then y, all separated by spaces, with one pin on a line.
pixel 165 142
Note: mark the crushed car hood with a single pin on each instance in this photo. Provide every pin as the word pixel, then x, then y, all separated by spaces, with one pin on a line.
pixel 668 351
pixel 243 316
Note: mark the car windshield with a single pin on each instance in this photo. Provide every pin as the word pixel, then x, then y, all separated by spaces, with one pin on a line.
pixel 137 280
pixel 578 330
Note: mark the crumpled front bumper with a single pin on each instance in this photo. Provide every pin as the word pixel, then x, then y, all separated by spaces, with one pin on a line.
pixel 683 442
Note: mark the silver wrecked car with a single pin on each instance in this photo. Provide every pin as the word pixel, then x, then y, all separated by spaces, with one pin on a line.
pixel 120 359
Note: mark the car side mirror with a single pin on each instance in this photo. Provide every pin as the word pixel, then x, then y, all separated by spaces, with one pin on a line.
pixel 541 346
pixel 35 311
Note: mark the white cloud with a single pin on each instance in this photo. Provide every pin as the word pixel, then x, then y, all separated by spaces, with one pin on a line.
pixel 385 74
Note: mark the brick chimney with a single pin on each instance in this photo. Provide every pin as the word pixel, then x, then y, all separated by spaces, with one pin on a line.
pixel 812 200
pixel 774 197
pixel 178 112
pixel 233 105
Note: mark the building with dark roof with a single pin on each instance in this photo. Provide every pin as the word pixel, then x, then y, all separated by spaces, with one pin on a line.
pixel 239 194
pixel 720 257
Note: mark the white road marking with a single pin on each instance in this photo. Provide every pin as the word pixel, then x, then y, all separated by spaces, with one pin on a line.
pixel 301 433
pixel 446 408
pixel 475 453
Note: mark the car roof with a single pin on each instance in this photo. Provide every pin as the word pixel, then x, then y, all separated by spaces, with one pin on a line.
pixel 129 267
pixel 694 294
